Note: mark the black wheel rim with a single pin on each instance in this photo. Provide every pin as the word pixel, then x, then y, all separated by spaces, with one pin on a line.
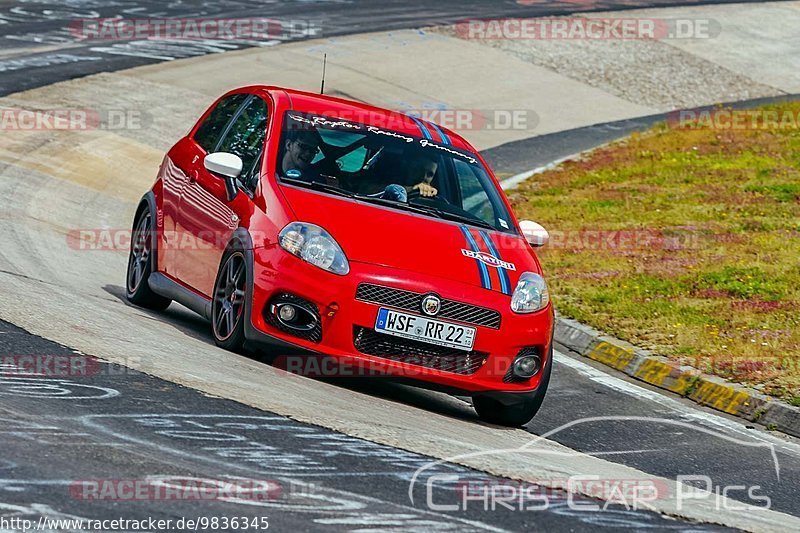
pixel 228 304
pixel 140 253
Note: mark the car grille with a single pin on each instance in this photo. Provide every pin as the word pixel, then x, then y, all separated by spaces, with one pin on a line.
pixel 412 301
pixel 370 342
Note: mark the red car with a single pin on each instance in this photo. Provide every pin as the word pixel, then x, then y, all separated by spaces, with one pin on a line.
pixel 315 225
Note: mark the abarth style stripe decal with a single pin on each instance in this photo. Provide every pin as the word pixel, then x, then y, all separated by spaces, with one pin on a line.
pixel 494 274
pixel 442 135
pixel 486 281
pixel 422 128
pixel 505 282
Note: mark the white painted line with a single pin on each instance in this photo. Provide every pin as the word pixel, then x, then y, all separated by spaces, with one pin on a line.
pixel 348 499
pixel 513 181
pixel 665 401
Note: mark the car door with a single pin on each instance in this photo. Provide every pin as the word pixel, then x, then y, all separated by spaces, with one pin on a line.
pixel 178 174
pixel 207 218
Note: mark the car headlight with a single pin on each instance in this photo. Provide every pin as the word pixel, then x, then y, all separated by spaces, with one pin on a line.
pixel 531 294
pixel 314 245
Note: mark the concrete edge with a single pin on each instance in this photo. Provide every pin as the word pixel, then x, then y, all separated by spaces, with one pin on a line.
pixel 689 382
pixel 518 157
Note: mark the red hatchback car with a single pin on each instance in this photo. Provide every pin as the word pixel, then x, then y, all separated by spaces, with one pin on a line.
pixel 316 225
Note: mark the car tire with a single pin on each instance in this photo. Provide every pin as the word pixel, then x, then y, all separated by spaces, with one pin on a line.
pixel 228 301
pixel 514 409
pixel 140 265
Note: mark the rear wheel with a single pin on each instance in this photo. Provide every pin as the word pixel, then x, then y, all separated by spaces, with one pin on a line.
pixel 140 266
pixel 513 409
pixel 227 307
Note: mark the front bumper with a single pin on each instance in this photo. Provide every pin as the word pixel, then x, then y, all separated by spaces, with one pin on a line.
pixel 277 272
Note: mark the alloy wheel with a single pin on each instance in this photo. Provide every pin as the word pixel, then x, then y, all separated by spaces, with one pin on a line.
pixel 140 253
pixel 229 293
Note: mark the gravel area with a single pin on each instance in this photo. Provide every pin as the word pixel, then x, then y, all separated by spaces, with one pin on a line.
pixel 652 73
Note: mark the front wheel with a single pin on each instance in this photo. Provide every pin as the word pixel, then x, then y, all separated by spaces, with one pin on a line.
pixel 513 409
pixel 140 266
pixel 227 307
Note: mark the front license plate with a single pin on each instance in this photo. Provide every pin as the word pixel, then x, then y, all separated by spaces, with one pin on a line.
pixel 425 329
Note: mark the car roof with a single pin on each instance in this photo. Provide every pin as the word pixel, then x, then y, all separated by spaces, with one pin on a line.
pixel 321 104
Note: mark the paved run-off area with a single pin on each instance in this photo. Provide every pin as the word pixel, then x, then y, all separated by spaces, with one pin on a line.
pixel 180 455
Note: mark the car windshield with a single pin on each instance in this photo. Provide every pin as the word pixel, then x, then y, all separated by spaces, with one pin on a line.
pixel 372 164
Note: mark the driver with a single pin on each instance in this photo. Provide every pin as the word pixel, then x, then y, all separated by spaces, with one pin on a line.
pixel 420 174
pixel 418 177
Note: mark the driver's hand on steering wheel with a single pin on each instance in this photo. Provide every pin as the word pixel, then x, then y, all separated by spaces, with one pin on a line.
pixel 425 189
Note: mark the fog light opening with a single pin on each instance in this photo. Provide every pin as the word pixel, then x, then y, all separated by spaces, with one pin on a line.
pixel 527 366
pixel 293 317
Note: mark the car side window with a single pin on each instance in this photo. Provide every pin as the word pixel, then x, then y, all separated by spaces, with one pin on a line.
pixel 245 138
pixel 212 128
pixel 474 197
pixel 250 176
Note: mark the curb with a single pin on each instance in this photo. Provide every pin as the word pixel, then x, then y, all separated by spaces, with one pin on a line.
pixel 710 391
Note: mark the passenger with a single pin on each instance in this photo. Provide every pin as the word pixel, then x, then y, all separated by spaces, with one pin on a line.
pixel 300 149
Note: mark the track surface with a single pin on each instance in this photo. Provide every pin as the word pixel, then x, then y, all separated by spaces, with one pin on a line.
pixel 518 157
pixel 52 442
pixel 41 48
pixel 61 433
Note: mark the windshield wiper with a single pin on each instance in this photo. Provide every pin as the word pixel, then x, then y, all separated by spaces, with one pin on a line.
pixel 319 186
pixel 395 203
pixel 426 210
pixel 448 215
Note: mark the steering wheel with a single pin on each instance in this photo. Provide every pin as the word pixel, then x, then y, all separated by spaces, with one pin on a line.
pixel 415 194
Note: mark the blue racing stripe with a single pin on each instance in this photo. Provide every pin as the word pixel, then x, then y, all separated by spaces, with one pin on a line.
pixel 486 281
pixel 505 282
pixel 425 132
pixel 442 134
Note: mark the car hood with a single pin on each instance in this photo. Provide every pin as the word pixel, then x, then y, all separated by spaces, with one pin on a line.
pixel 385 236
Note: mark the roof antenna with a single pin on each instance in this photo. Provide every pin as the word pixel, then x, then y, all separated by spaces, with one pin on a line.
pixel 324 65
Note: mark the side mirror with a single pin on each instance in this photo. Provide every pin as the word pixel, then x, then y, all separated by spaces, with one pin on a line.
pixel 534 233
pixel 228 167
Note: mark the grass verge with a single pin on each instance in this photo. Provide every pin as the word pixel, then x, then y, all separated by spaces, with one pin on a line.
pixel 685 241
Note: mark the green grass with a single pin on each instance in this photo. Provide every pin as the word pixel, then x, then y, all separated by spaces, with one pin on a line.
pixel 714 279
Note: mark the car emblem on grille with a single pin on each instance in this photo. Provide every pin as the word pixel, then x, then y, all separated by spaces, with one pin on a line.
pixel 431 305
